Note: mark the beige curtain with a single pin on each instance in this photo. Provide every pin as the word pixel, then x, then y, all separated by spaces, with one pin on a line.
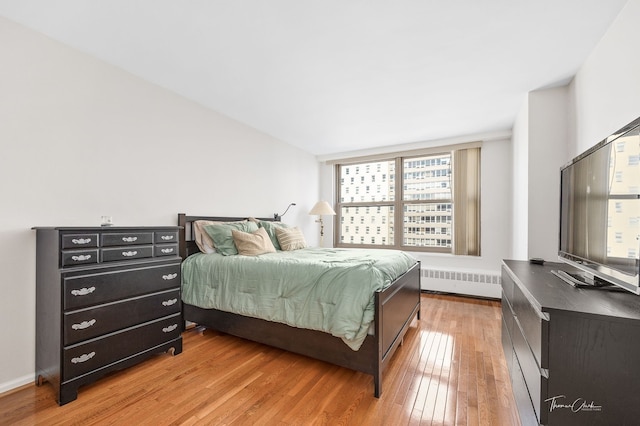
pixel 466 201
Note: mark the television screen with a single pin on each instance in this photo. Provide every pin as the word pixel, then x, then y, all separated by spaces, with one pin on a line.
pixel 600 209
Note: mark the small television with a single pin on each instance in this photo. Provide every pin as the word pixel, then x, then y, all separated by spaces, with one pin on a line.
pixel 600 213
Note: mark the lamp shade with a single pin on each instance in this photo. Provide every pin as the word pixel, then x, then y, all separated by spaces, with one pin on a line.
pixel 322 208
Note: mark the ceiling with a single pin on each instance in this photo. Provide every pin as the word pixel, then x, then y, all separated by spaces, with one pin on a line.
pixel 332 76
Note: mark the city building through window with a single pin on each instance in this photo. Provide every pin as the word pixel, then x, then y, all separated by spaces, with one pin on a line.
pixel 428 202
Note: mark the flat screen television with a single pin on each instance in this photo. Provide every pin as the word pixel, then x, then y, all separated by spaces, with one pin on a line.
pixel 600 212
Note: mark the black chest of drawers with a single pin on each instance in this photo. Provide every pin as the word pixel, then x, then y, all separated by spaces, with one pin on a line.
pixel 571 353
pixel 106 299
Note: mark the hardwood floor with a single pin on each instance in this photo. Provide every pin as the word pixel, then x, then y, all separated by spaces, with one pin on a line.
pixel 449 371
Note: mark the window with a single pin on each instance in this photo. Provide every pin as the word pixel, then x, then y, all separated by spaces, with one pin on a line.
pixel 434 198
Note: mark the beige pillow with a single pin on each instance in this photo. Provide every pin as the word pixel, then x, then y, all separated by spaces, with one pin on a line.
pixel 204 240
pixel 253 244
pixel 290 238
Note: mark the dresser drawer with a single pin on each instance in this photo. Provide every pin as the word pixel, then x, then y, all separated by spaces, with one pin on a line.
pixel 123 239
pixel 79 241
pixel 531 323
pixel 507 345
pixel 508 318
pixel 102 319
pixel 536 383
pixel 79 257
pixel 126 253
pixel 507 309
pixel 507 284
pixel 94 354
pixel 521 395
pixel 165 250
pixel 86 290
pixel 165 237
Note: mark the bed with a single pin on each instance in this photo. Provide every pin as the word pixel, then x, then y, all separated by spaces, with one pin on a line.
pixel 394 306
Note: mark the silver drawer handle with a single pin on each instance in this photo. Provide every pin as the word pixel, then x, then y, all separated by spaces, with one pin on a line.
pixel 167 250
pixel 81 240
pixel 129 239
pixel 83 358
pixel 81 258
pixel 83 324
pixel 167 237
pixel 169 276
pixel 129 253
pixel 83 291
pixel 170 328
pixel 169 302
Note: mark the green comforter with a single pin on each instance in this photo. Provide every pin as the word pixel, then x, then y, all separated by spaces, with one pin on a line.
pixel 330 290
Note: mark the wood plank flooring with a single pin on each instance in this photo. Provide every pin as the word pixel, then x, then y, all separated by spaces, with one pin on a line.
pixel 449 371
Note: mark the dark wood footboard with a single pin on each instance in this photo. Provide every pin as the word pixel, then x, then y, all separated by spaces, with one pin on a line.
pixel 395 308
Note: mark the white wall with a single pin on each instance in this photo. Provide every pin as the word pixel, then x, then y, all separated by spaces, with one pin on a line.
pixel 539 150
pixel 520 187
pixel 606 90
pixel 547 153
pixel 80 139
pixel 327 193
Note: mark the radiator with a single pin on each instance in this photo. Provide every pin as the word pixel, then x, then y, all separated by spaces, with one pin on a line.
pixel 484 284
pixel 472 277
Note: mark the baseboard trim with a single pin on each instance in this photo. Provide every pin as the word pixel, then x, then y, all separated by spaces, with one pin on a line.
pixel 485 290
pixel 16 384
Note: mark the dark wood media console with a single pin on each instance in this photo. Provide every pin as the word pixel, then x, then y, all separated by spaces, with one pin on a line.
pixel 572 353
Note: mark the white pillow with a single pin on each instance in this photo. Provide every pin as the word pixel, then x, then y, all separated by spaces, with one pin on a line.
pixel 203 240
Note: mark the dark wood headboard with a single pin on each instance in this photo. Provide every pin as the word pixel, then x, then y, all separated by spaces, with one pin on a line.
pixel 187 241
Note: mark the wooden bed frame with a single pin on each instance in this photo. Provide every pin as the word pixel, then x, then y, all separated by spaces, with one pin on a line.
pixel 395 308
